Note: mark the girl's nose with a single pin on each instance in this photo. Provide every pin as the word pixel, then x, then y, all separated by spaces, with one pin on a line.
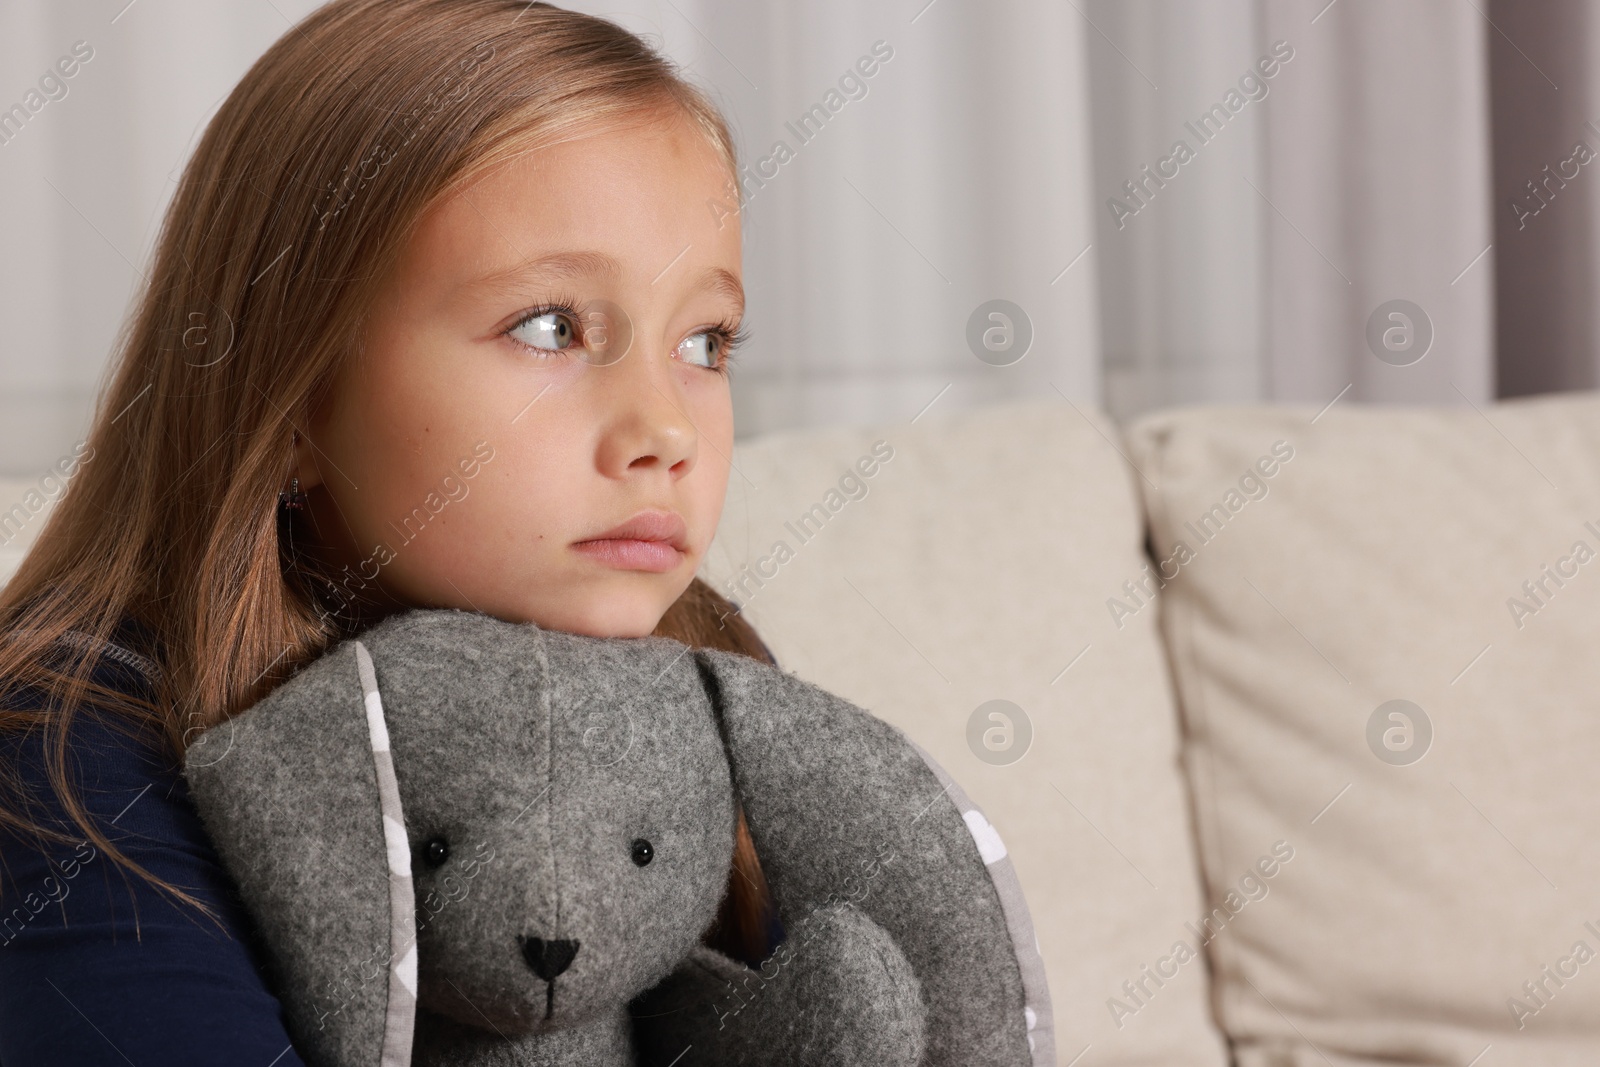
pixel 646 424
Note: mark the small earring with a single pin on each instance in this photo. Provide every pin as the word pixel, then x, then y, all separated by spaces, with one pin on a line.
pixel 295 498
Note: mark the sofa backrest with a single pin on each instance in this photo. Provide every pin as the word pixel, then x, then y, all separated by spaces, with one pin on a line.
pixel 1383 623
pixel 923 570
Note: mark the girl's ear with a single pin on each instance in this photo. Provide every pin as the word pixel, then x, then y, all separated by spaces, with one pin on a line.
pixel 299 797
pixel 843 807
pixel 305 462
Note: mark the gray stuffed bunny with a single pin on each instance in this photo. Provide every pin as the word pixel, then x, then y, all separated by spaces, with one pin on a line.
pixel 465 841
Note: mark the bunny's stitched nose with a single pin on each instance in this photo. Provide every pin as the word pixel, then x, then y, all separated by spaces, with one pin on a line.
pixel 548 958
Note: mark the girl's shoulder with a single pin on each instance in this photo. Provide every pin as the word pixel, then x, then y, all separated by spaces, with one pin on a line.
pixel 110 758
pixel 128 661
pixel 124 664
pixel 119 651
pixel 162 983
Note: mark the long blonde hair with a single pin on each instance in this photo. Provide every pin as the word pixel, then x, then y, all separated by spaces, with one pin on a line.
pixel 315 170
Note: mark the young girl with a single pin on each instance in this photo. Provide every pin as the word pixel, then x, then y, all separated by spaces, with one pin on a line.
pixel 441 315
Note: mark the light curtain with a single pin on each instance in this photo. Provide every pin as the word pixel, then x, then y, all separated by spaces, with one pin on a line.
pixel 982 159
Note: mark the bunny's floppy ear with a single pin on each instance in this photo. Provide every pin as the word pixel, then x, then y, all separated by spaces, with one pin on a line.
pixel 842 806
pixel 300 797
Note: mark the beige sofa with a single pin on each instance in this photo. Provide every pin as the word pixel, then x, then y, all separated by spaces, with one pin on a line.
pixel 1325 791
pixel 1233 843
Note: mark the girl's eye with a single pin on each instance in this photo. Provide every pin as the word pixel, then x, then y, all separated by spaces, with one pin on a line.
pixel 714 347
pixel 557 328
pixel 548 330
pixel 703 349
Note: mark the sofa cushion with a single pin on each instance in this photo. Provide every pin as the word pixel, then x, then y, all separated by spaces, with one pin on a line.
pixel 1382 625
pixel 970 566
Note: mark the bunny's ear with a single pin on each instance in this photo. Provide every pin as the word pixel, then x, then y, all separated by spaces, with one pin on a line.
pixel 298 795
pixel 843 806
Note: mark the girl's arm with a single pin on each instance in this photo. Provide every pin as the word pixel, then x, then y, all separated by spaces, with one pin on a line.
pixel 79 983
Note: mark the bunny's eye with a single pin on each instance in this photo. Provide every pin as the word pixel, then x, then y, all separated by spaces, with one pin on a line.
pixel 435 851
pixel 643 851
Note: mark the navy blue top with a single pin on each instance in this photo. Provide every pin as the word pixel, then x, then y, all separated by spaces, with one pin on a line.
pixel 97 966
pixel 79 984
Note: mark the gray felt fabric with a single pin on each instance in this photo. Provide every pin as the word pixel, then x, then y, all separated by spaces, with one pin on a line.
pixel 841 806
pixel 836 964
pixel 530 764
pixel 288 795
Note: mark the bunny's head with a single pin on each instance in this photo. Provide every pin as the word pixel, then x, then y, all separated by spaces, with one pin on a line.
pixel 568 812
pixel 515 831
pixel 562 811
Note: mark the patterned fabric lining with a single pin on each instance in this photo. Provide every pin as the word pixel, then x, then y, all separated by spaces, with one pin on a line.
pixel 400 1019
pixel 1037 1014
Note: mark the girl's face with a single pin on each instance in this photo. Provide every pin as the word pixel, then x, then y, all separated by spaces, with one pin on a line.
pixel 473 451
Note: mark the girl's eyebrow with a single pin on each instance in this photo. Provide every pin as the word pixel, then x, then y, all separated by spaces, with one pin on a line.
pixel 722 281
pixel 591 264
pixel 554 265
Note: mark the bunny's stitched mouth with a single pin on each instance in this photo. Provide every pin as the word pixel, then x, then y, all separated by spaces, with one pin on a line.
pixel 549 1000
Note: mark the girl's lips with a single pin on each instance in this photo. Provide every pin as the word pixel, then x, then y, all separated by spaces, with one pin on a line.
pixel 631 554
